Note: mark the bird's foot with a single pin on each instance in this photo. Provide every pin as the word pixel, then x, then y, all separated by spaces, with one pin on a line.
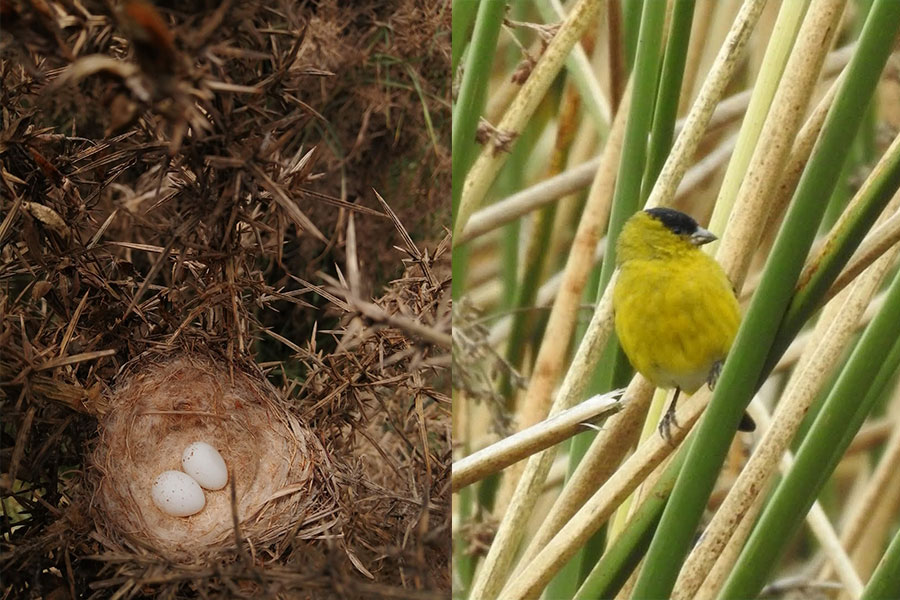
pixel 665 426
pixel 714 374
pixel 668 419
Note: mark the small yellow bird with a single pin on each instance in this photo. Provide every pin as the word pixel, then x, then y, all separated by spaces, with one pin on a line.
pixel 676 312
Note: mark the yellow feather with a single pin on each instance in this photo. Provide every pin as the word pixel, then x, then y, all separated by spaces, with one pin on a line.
pixel 676 314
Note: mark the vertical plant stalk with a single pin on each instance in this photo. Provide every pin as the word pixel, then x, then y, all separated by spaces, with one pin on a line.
pixel 869 547
pixel 859 517
pixel 700 24
pixel 580 70
pixel 744 365
pixel 874 245
pixel 789 414
pixel 832 334
pixel 569 207
pixel 816 519
pixel 685 147
pixel 779 131
pixel 564 313
pixel 532 578
pixel 668 92
pixel 495 568
pixel 800 153
pixel 828 438
pixel 462 16
pixel 538 241
pixel 858 217
pixel 472 90
pixel 627 195
pixel 617 75
pixel 488 164
pixel 885 580
pixel 787 24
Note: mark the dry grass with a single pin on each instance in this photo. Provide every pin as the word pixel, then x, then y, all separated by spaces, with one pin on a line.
pixel 199 177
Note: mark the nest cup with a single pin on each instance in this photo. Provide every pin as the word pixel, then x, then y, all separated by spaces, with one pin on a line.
pixel 156 411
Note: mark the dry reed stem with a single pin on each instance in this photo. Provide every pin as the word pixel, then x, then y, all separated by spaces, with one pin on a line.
pixel 781 196
pixel 696 46
pixel 599 463
pixel 563 315
pixel 685 146
pixel 876 243
pixel 496 565
pixel 491 159
pixel 765 84
pixel 598 105
pixel 875 536
pixel 860 515
pixel 817 520
pixel 536 438
pixel 851 212
pixel 801 391
pixel 872 434
pixel 574 534
pixel 568 206
pixel 752 204
pixel 798 346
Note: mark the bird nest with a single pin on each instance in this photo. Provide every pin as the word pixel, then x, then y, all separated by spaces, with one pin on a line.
pixel 160 408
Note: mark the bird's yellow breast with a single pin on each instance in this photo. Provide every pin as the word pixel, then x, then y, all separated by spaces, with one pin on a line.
pixel 676 316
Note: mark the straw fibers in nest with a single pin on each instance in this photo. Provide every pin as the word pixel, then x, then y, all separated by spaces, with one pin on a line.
pixel 156 411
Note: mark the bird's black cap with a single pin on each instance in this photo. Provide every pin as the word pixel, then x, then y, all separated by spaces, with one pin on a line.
pixel 676 221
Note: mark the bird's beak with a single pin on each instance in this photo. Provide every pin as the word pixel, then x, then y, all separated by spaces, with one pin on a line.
pixel 702 236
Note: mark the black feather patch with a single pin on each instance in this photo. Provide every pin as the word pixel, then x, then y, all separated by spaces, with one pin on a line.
pixel 678 222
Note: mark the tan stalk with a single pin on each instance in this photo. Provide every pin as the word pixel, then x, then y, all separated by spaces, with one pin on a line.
pixel 817 520
pixel 781 40
pixel 697 121
pixel 702 16
pixel 612 443
pixel 779 130
pixel 496 565
pixel 876 535
pixel 492 157
pixel 563 315
pixel 879 484
pixel 682 153
pixel 802 389
pixel 531 579
pixel 881 238
pixel 523 444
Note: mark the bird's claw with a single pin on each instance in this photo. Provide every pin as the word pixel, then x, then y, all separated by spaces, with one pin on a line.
pixel 714 375
pixel 665 425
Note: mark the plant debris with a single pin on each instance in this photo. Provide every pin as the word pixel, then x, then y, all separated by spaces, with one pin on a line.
pixel 196 180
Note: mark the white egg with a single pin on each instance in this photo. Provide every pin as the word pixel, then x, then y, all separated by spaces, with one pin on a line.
pixel 204 463
pixel 176 494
